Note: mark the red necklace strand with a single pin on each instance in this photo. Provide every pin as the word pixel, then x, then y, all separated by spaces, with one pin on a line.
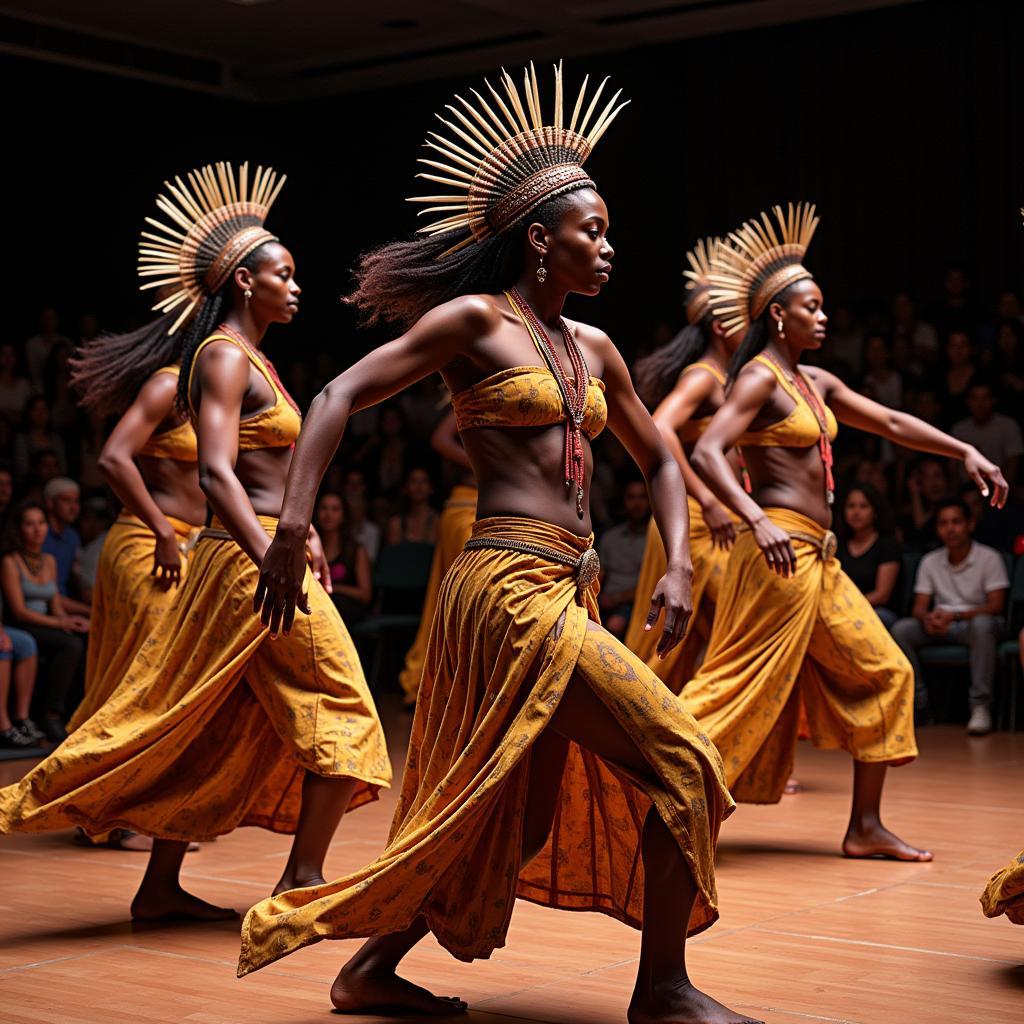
pixel 573 390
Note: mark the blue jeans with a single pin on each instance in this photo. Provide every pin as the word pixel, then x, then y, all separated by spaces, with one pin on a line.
pixel 23 645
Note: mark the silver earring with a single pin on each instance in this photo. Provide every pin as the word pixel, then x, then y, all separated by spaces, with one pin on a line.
pixel 542 274
pixel 779 325
pixel 248 295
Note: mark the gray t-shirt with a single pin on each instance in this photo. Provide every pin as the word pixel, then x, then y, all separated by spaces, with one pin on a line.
pixel 999 439
pixel 956 588
pixel 621 551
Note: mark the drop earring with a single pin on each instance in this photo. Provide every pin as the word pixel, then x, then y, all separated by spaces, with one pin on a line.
pixel 248 295
pixel 779 325
pixel 542 274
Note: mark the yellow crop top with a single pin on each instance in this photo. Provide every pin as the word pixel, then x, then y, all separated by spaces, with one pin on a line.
pixel 525 396
pixel 275 427
pixel 692 429
pixel 800 429
pixel 178 443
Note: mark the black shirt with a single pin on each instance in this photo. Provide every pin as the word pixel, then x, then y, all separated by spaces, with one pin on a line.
pixel 863 569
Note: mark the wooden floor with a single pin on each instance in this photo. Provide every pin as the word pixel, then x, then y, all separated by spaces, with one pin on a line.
pixel 804 935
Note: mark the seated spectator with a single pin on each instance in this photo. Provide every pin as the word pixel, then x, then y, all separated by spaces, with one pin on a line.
pixel 881 382
pixel 999 528
pixel 416 519
pixel 868 549
pixel 37 435
pixel 6 494
pixel 959 598
pixel 996 436
pixel 351 574
pixel 39 346
pixel 956 310
pixel 621 550
pixel 920 336
pixel 388 455
pixel 95 523
pixel 43 467
pixel 1005 362
pixel 61 498
pixel 15 390
pixel 57 379
pixel 953 384
pixel 928 485
pixel 92 434
pixel 17 650
pixel 28 577
pixel 845 344
pixel 365 531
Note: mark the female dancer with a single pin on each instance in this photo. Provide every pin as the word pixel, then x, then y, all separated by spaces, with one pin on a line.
pixel 537 736
pixel 1004 893
pixel 790 625
pixel 453 530
pixel 684 383
pixel 213 727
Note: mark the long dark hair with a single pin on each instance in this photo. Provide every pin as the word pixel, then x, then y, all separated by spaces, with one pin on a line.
pixel 12 535
pixel 885 518
pixel 655 375
pixel 401 281
pixel 758 334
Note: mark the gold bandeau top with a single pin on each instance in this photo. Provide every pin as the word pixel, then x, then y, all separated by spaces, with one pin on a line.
pixel 274 427
pixel 800 429
pixel 692 429
pixel 178 443
pixel 525 396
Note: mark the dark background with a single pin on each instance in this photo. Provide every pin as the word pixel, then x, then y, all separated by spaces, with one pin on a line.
pixel 903 125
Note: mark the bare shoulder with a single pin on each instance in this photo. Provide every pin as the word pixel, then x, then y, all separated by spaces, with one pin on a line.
pixel 755 378
pixel 160 390
pixel 470 314
pixel 598 347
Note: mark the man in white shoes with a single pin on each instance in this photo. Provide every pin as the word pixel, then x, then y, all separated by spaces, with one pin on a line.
pixel 959 598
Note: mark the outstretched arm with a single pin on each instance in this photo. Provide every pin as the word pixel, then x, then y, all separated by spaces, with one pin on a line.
pixel 856 410
pixel 432 342
pixel 632 424
pixel 153 406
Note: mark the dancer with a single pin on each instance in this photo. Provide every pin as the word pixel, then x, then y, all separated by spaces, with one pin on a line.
pixel 789 624
pixel 1004 893
pixel 214 727
pixel 684 383
pixel 546 761
pixel 453 530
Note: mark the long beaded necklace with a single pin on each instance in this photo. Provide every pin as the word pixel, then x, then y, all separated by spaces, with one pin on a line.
pixel 264 361
pixel 573 391
pixel 814 403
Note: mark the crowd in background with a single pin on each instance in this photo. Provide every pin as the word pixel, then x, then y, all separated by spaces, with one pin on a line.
pixel 952 362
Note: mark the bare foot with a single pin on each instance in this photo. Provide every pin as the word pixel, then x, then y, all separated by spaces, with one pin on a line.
pixel 177 904
pixel 878 841
pixel 383 992
pixel 682 1004
pixel 289 881
pixel 792 786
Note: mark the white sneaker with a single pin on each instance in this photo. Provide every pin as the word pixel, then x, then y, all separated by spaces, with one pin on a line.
pixel 981 720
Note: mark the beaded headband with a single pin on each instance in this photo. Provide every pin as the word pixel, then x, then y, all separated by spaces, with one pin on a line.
pixel 698 285
pixel 219 222
pixel 504 166
pixel 758 264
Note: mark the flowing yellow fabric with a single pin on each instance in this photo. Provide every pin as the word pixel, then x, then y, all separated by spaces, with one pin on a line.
pixel 496 668
pixel 126 604
pixel 453 530
pixel 214 725
pixel 1004 893
pixel 709 561
pixel 811 636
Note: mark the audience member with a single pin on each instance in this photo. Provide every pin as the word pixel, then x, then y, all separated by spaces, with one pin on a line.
pixel 351 574
pixel 1005 362
pixel 390 453
pixel 92 436
pixel 94 525
pixel 999 528
pixel 621 550
pixel 62 399
pixel 845 344
pixel 868 550
pixel 18 661
pixel 996 436
pixel 39 346
pixel 920 336
pixel 416 519
pixel 61 499
pixel 953 384
pixel 956 310
pixel 36 435
pixel 927 486
pixel 6 494
pixel 28 577
pixel 357 502
pixel 15 389
pixel 881 381
pixel 959 597
pixel 44 466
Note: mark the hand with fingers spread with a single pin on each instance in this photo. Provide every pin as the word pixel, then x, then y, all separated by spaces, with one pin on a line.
pixel 988 477
pixel 674 596
pixel 719 522
pixel 776 545
pixel 167 561
pixel 282 577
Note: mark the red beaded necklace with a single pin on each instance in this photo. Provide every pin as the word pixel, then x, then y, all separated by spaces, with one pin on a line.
pixel 573 390
pixel 814 403
pixel 266 363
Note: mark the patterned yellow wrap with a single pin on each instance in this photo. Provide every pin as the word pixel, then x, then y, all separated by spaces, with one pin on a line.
pixel 709 561
pixel 814 636
pixel 126 604
pixel 453 530
pixel 215 724
pixel 495 671
pixel 1004 893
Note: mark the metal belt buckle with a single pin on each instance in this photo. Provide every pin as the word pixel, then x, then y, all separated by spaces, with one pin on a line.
pixel 829 546
pixel 588 568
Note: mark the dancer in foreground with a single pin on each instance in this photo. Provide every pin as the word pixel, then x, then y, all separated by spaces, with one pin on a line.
pixel 213 726
pixel 1004 893
pixel 546 761
pixel 789 624
pixel 684 383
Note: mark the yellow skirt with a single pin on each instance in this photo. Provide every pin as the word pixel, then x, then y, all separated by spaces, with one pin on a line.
pixel 453 530
pixel 126 604
pixel 709 561
pixel 1004 893
pixel 813 636
pixel 495 670
pixel 214 725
